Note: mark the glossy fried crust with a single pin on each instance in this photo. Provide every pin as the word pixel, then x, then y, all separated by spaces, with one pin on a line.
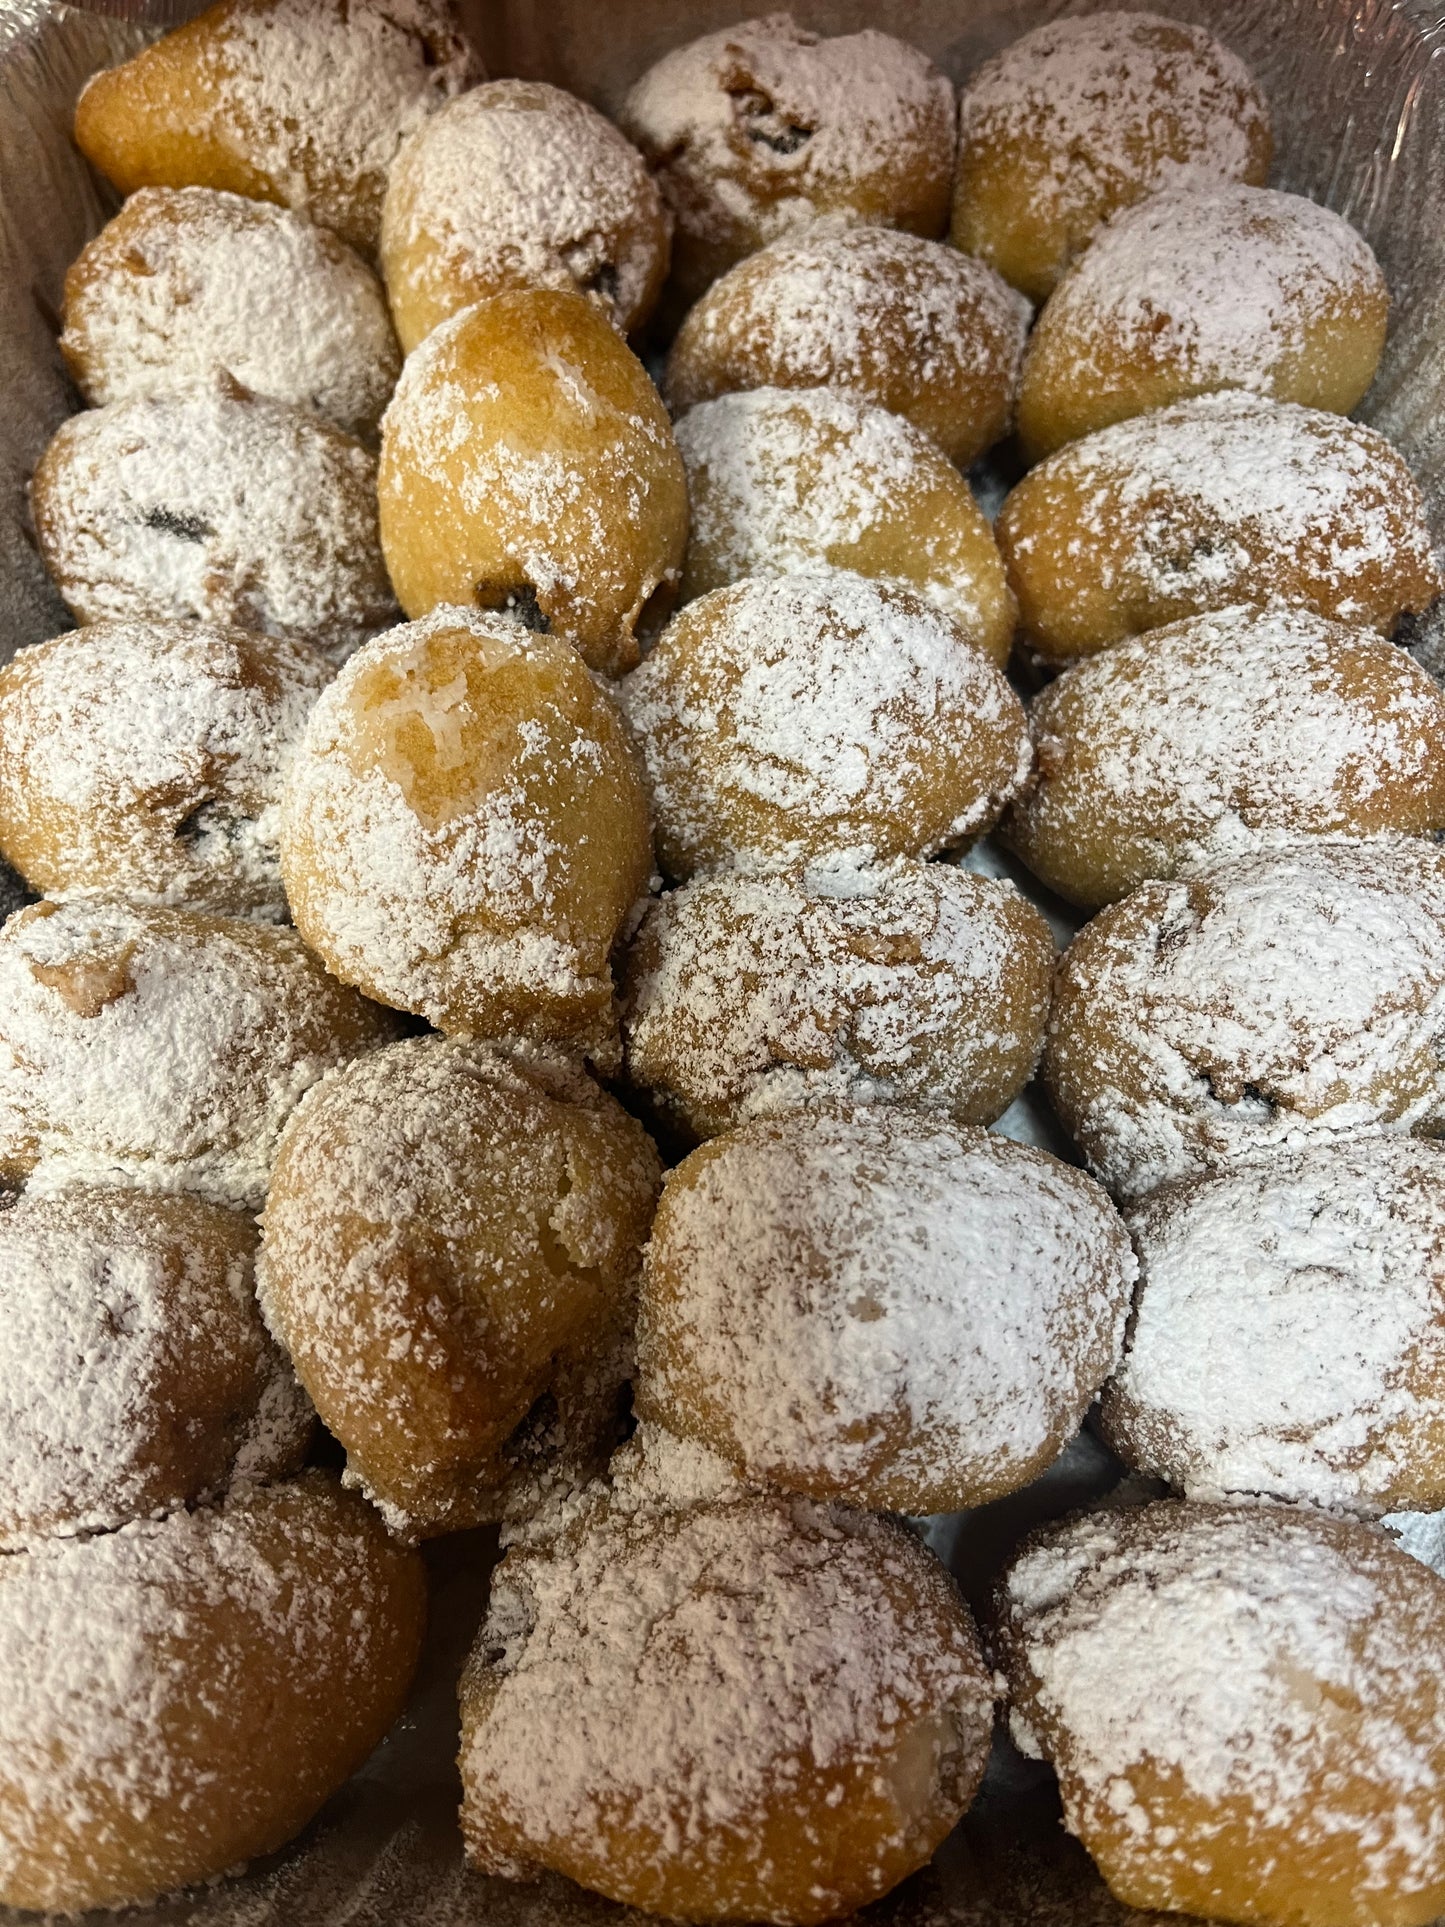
pixel 451 1237
pixel 183 1695
pixel 528 465
pixel 304 102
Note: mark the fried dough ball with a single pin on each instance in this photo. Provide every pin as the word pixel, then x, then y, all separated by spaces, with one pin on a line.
pixel 181 1696
pixel 1200 288
pixel 1224 498
pixel 520 185
pixel 880 1306
pixel 849 308
pixel 786 479
pixel 1270 1000
pixel 1083 117
pixel 147 757
pixel 465 828
pixel 920 984
pixel 1217 735
pixel 161 1048
pixel 820 718
pixel 1242 1706
pixel 188 281
pixel 301 102
pixel 1288 1335
pixel 447 1226
pixel 137 1375
pixel 752 1711
pixel 527 465
pixel 758 130
pixel 219 506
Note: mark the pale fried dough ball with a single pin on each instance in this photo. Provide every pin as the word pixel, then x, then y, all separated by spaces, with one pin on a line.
pixel 750 1711
pixel 447 1228
pixel 908 324
pixel 758 130
pixel 920 984
pixel 1288 1336
pixel 527 464
pixel 1200 288
pixel 182 1695
pixel 1243 1709
pixel 137 1375
pixel 785 479
pixel 185 281
pixel 520 185
pixel 1229 497
pixel 1269 1000
pixel 302 102
pixel 880 1306
pixel 1221 734
pixel 1082 117
pixel 147 757
pixel 465 828
pixel 161 1048
pixel 214 505
pixel 820 718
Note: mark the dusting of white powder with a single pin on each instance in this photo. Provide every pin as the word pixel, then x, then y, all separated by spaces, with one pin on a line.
pixel 1223 732
pixel 187 281
pixel 920 984
pixel 780 480
pixel 760 128
pixel 317 96
pixel 112 1313
pixel 1203 1646
pixel 1289 1333
pixel 881 1306
pixel 783 720
pixel 684 1673
pixel 517 183
pixel 149 756
pixel 1271 999
pixel 215 505
pixel 1189 507
pixel 1114 106
pixel 1216 283
pixel 162 1048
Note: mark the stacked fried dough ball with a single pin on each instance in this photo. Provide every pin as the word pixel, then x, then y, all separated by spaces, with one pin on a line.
pixel 677 779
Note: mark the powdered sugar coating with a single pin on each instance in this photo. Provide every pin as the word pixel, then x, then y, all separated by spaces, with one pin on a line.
pixel 1088 115
pixel 1227 497
pixel 137 1375
pixel 452 1240
pixel 921 984
pixel 219 506
pixel 781 480
pixel 744 1709
pixel 304 102
pixel 148 757
pixel 185 282
pixel 1268 1001
pixel 1241 1705
pixel 820 718
pixel 518 184
pixel 880 1307
pixel 183 1694
pixel 161 1048
pixel 464 829
pixel 1220 734
pixel 908 324
pixel 759 129
pixel 1198 288
pixel 1288 1336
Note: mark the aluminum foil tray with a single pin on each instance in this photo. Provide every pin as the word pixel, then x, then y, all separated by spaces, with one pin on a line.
pixel 1357 89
